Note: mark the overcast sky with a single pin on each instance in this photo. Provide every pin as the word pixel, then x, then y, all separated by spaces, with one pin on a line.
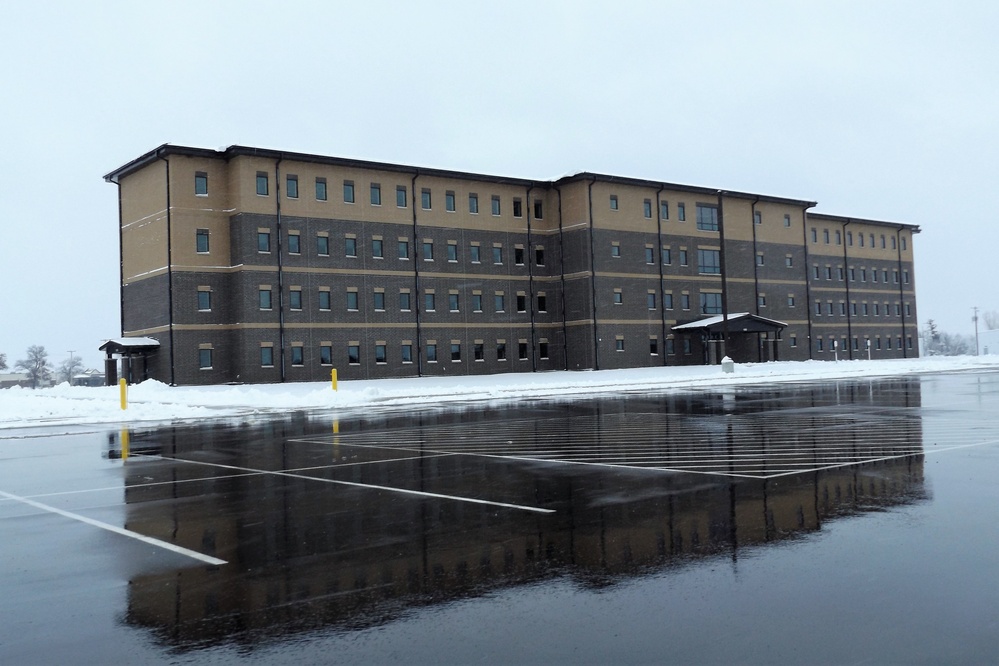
pixel 884 110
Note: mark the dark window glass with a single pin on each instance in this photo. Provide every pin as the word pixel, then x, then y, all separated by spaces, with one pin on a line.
pixel 497 255
pixel 295 300
pixel 707 217
pixel 348 191
pixel 377 248
pixel 425 199
pixel 291 187
pixel 431 353
pixel 320 189
pixel 647 208
pixel 205 358
pixel 376 194
pixel 379 300
pixel 452 252
pixel 201 240
pixel 263 241
pixel 201 183
pixel 351 300
pixel 204 300
pixel 496 205
pixel 297 356
pixel 518 256
pixel 449 201
pixel 542 303
pixel 264 299
pixel 406 352
pixel 262 186
pixel 324 300
pixel 455 351
pixel 428 251
pixel 380 354
pixel 539 256
pixel 538 209
pixel 405 302
pixel 400 197
pixel 476 253
pixel 323 245
pixel 517 208
pixel 354 354
pixel 473 203
pixel 350 247
pixel 681 212
pixel 267 356
pixel 294 244
pixel 500 351
pixel 326 354
pixel 403 249
pixel 708 261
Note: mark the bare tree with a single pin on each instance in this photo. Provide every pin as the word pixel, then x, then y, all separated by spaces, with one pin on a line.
pixel 3 361
pixel 36 366
pixel 991 320
pixel 69 368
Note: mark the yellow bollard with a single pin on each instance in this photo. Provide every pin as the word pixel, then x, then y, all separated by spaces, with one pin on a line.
pixel 333 377
pixel 123 390
pixel 124 444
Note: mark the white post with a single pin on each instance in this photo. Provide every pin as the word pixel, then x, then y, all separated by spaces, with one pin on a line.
pixel 836 350
pixel 868 350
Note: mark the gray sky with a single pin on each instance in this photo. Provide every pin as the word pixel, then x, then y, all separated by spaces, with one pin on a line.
pixel 885 110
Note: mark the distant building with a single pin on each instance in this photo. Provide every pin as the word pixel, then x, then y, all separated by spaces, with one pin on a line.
pixel 255 265
pixel 9 380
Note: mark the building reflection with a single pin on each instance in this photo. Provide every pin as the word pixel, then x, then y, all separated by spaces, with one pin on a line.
pixel 305 555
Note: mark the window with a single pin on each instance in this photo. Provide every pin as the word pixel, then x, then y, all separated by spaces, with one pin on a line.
pixel 839 273
pixel 379 300
pixel 667 255
pixel 403 249
pixel 872 240
pixel 380 354
pixel 405 302
pixel 262 184
pixel 352 300
pixel 204 299
pixel 708 261
pixel 685 301
pixel 320 189
pixel 291 186
pixel 650 300
pixel 539 256
pixel 518 256
pixel 818 345
pixel 542 303
pixel 664 210
pixel 264 298
pixel 787 220
pixel 839 237
pixel 263 241
pixel 686 346
pixel 653 347
pixel 521 302
pixel 429 302
pixel 883 245
pixel 350 246
pixel 543 349
pixel 324 300
pixel 650 255
pixel 757 217
pixel 618 297
pixel 615 250
pixel 376 194
pixel 354 354
pixel 473 204
pixel 707 217
pixel 431 352
pixel 884 275
pixel 267 356
pixel 522 350
pixel 619 344
pixel 500 350
pixel 829 272
pixel 323 246
pixel 789 261
pixel 496 205
pixel 476 253
pixel 201 240
pixel 400 196
pixel 761 301
pixel 794 340
pixel 860 238
pixel 499 302
pixel 449 201
pixel 894 243
pixel 842 309
pixel 456 352
pixel 711 303
pixel 201 184
pixel 348 191
pixel 647 208
pixel 476 302
pixel 815 272
pixel 790 300
pixel 479 351
pixel 894 275
pixel 406 351
pixel 853 274
pixel 849 238
pixel 538 209
pixel 425 199
pixel 905 277
pixel 497 255
pixel 829 308
pixel 294 243
pixel 668 301
pixel 295 298
pixel 377 248
pixel 613 202
pixel 759 259
pixel 902 239
pixel 825 236
pixel 428 250
pixel 297 355
pixel 326 354
pixel 683 257
pixel 815 235
pixel 452 251
pixel 517 208
pixel 452 302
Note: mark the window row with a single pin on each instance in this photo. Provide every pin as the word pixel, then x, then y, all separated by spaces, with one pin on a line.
pixel 834 344
pixel 324 300
pixel 862 309
pixel 873 241
pixel 875 274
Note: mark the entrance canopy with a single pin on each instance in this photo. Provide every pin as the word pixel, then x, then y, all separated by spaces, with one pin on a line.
pixel 130 346
pixel 739 322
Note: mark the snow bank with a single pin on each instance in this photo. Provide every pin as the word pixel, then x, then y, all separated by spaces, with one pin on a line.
pixel 154 401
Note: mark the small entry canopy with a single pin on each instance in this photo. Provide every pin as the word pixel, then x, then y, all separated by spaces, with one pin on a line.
pixel 131 351
pixel 127 346
pixel 739 322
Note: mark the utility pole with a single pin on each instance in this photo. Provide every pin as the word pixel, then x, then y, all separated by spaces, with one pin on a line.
pixel 70 366
pixel 974 318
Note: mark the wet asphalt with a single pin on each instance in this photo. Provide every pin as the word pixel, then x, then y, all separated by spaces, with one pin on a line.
pixel 836 522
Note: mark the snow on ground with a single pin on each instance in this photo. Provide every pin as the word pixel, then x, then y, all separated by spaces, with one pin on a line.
pixel 154 401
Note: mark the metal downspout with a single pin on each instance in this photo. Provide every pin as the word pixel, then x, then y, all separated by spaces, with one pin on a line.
pixel 280 266
pixel 561 271
pixel 416 304
pixel 846 278
pixel 121 265
pixel 901 291
pixel 756 276
pixel 659 260
pixel 808 284
pixel 593 278
pixel 169 234
pixel 724 281
pixel 530 283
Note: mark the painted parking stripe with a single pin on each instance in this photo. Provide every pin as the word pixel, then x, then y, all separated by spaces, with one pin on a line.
pixel 207 559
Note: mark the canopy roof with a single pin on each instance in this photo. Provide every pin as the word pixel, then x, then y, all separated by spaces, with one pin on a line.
pixel 738 322
pixel 130 345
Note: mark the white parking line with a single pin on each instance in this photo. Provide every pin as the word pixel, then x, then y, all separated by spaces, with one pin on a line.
pixel 207 559
pixel 405 491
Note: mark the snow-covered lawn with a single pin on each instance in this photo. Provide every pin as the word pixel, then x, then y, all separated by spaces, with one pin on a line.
pixel 154 401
